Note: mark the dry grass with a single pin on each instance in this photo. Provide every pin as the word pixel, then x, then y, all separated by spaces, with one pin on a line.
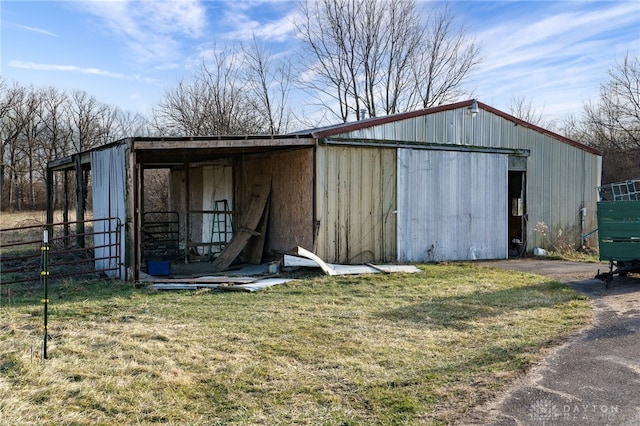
pixel 33 217
pixel 398 349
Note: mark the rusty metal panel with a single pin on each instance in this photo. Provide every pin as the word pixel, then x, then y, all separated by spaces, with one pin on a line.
pixel 452 205
pixel 355 204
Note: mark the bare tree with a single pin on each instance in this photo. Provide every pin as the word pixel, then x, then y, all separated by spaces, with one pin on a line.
pixel 38 125
pixel 269 82
pixel 130 124
pixel 57 135
pixel 380 55
pixel 10 98
pixel 613 123
pixel 615 119
pixel 32 129
pixel 328 32
pixel 446 62
pixel 523 109
pixel 89 121
pixel 16 122
pixel 404 39
pixel 214 103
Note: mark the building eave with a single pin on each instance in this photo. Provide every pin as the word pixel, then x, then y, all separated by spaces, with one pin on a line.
pixel 377 121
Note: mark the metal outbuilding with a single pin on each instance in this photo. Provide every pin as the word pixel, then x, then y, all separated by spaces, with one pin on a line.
pixel 457 182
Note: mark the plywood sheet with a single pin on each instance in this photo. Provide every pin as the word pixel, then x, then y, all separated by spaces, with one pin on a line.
pixel 291 202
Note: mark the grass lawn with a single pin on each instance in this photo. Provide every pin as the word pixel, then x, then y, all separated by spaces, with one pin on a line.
pixel 375 349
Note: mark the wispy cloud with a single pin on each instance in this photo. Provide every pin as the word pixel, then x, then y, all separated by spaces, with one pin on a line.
pixel 37 30
pixel 77 69
pixel 244 27
pixel 529 40
pixel 545 54
pixel 151 30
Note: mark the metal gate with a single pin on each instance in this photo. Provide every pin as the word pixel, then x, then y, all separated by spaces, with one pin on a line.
pixel 70 253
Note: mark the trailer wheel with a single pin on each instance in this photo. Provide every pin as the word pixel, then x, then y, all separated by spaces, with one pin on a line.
pixel 620 272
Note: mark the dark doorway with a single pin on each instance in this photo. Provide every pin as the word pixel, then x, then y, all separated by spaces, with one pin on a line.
pixel 517 213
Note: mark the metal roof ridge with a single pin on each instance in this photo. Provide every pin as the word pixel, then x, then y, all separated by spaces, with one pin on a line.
pixel 539 129
pixel 375 121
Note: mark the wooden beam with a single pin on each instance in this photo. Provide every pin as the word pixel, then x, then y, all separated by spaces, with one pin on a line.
pixel 80 207
pixel 260 190
pixel 65 208
pixel 136 194
pixel 255 245
pixel 49 195
pixel 187 207
pixel 164 144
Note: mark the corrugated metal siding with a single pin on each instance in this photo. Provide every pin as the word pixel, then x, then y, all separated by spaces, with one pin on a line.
pixel 355 204
pixel 560 178
pixel 451 206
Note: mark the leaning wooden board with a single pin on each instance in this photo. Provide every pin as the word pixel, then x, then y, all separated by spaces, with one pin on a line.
pixel 260 190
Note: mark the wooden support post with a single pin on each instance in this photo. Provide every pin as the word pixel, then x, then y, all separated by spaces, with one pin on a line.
pixel 134 195
pixel 187 231
pixel 80 208
pixel 139 209
pixel 65 211
pixel 49 196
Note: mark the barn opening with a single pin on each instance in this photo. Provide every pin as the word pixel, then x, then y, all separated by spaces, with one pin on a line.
pixel 517 205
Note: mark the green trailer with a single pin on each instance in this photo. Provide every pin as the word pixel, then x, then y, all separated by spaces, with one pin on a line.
pixel 619 228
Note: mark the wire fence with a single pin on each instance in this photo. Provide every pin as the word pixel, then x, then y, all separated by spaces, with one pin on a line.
pixel 88 247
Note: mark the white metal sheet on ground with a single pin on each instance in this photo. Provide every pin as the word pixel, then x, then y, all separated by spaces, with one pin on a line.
pixel 252 287
pixel 452 205
pixel 375 269
pixel 296 261
pixel 260 284
pixel 406 269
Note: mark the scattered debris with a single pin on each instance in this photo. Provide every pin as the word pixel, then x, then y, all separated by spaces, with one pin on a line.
pixel 244 281
pixel 537 251
pixel 255 285
pixel 307 259
pixel 328 269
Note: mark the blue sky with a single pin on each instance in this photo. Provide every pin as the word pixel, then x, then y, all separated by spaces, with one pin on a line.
pixel 127 53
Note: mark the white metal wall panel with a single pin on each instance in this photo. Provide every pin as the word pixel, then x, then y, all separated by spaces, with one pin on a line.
pixel 109 176
pixel 452 205
pixel 217 185
pixel 355 204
